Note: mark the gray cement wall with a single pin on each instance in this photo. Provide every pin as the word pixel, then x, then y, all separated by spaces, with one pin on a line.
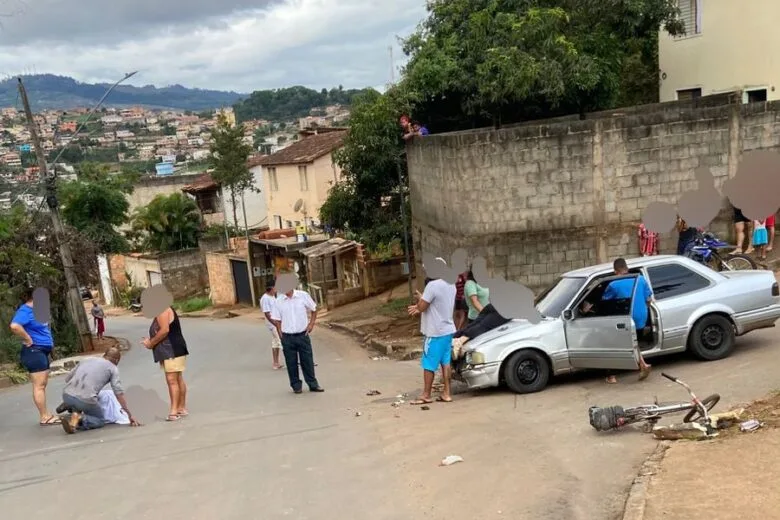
pixel 543 198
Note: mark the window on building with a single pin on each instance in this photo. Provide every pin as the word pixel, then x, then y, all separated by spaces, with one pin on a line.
pixel 688 94
pixel 690 14
pixel 272 179
pixel 288 224
pixel 672 280
pixel 303 175
pixel 756 96
pixel 277 222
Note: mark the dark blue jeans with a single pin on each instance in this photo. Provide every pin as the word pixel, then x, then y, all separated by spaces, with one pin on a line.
pixel 297 347
pixel 91 414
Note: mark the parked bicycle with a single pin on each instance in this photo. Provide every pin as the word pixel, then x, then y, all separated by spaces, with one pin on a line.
pixel 705 248
pixel 614 417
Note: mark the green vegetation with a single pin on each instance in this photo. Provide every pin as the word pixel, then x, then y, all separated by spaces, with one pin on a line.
pixel 49 91
pixel 394 307
pixel 96 205
pixel 286 104
pixel 29 258
pixel 193 304
pixel 229 155
pixel 477 63
pixel 167 223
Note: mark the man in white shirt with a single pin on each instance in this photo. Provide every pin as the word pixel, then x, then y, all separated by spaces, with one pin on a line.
pixel 294 316
pixel 267 304
pixel 437 306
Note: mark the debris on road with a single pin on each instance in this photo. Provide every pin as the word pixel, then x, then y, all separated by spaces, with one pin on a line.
pixel 688 431
pixel 750 426
pixel 449 460
pixel 725 420
pixel 425 408
pixel 358 414
pixel 380 358
pixel 373 392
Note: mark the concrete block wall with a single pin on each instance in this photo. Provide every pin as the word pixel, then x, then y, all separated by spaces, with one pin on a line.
pixel 543 198
pixel 184 273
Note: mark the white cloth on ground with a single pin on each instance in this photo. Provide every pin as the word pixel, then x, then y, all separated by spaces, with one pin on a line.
pixel 112 410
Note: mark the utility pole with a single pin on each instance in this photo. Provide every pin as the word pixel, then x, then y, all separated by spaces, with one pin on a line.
pixel 74 301
pixel 401 189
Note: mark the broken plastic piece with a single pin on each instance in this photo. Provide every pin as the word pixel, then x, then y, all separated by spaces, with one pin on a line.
pixel 449 460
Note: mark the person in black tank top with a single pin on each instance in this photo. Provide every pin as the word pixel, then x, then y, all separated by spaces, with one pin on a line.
pixel 169 349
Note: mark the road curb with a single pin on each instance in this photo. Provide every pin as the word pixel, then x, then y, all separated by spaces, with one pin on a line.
pixel 636 502
pixel 364 339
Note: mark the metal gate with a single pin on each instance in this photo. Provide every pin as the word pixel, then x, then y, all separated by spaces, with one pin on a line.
pixel 154 278
pixel 241 282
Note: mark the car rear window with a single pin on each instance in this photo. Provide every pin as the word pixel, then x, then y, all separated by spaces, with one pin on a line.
pixel 670 280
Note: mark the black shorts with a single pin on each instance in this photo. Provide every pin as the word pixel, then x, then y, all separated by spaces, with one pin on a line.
pixel 460 305
pixel 739 217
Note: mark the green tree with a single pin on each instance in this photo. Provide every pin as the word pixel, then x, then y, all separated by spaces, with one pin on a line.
pixel 260 134
pixel 168 223
pixel 229 155
pixel 370 159
pixel 96 205
pixel 477 62
pixel 29 258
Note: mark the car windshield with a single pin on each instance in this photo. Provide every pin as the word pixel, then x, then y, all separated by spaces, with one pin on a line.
pixel 554 300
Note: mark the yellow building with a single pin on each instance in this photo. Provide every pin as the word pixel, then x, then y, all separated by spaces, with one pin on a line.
pixel 304 170
pixel 729 45
pixel 229 115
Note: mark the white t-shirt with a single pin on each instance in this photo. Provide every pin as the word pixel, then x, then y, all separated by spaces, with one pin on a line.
pixel 437 320
pixel 294 312
pixel 267 304
pixel 112 410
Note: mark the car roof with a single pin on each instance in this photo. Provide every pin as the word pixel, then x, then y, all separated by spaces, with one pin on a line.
pixel 633 263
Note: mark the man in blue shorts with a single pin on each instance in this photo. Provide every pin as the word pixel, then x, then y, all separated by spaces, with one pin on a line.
pixel 437 306
pixel 623 289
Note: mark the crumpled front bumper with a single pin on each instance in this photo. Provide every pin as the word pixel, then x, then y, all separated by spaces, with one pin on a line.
pixel 481 376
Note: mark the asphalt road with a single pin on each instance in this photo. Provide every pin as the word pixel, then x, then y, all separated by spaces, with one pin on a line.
pixel 252 449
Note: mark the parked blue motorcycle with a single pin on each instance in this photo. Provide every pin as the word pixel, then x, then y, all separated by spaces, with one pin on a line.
pixel 705 248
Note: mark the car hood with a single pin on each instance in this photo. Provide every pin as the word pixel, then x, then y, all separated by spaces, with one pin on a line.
pixel 518 328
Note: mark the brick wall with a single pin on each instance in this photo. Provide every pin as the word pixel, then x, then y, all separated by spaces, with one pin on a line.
pixel 543 198
pixel 184 273
pixel 116 266
pixel 220 279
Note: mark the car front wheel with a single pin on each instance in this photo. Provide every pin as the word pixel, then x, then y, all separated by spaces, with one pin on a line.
pixel 526 372
pixel 712 338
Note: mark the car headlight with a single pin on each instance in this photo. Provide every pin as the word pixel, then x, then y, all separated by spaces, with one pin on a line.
pixel 475 358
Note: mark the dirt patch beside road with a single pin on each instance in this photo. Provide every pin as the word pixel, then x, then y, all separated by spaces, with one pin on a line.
pixel 731 477
pixel 382 318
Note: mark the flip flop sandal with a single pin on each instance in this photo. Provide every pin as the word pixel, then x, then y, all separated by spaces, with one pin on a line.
pixel 611 381
pixel 173 418
pixel 419 402
pixel 183 414
pixel 440 399
pixel 51 421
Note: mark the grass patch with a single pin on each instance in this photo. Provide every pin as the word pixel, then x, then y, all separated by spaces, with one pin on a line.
pixel 17 375
pixel 394 307
pixel 193 304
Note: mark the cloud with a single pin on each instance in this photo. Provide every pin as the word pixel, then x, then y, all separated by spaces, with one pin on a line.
pixel 240 45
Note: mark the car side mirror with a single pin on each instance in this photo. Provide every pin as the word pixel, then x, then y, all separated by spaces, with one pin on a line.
pixel 568 315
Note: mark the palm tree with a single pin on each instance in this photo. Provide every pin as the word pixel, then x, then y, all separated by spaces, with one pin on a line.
pixel 168 223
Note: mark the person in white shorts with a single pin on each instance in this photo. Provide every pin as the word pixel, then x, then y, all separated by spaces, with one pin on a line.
pixel 267 304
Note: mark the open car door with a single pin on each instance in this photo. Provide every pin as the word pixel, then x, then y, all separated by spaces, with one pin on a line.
pixel 605 337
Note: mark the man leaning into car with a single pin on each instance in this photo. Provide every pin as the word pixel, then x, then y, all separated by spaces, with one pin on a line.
pixel 624 289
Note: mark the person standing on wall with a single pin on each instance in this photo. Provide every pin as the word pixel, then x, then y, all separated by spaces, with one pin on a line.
pixel 267 304
pixel 37 344
pixel 294 315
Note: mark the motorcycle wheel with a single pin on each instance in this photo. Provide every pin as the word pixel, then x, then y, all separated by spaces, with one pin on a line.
pixel 741 262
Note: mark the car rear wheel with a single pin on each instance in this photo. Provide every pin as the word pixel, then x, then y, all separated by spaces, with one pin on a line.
pixel 712 338
pixel 526 372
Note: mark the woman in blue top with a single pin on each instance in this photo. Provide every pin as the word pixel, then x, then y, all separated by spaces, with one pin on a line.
pixel 37 344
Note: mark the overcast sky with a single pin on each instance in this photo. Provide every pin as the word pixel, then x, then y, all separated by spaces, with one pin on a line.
pixel 240 45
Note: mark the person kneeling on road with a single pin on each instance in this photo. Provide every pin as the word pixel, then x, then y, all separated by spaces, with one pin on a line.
pixel 82 386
